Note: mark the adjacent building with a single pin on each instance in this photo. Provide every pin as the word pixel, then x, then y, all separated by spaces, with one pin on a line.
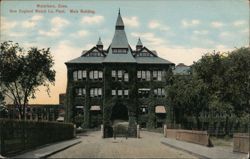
pixel 117 83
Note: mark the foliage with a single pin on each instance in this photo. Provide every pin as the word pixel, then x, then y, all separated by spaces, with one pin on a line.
pixel 23 71
pixel 20 135
pixel 227 77
pixel 189 95
pixel 219 84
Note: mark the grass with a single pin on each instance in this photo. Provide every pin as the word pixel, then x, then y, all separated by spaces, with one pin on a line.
pixel 156 130
pixel 222 141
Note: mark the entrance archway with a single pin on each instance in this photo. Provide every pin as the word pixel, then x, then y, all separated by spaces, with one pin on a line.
pixel 119 112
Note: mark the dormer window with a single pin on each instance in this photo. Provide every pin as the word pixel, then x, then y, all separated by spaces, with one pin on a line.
pixel 119 50
pixel 145 54
pixel 94 54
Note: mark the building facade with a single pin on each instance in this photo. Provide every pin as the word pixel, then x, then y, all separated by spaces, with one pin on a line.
pixel 37 112
pixel 117 83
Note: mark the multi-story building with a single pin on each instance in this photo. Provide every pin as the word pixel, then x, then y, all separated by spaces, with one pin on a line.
pixel 117 83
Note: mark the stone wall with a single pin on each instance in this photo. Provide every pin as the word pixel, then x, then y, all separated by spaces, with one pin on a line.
pixel 198 137
pixel 241 142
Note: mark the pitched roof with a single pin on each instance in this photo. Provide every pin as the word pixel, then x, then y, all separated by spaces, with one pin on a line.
pixel 151 60
pixel 139 43
pixel 119 58
pixel 86 59
pixel 119 21
pixel 99 42
pixel 181 69
pixel 119 42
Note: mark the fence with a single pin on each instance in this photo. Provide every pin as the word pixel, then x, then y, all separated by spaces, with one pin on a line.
pixel 198 137
pixel 217 126
pixel 18 135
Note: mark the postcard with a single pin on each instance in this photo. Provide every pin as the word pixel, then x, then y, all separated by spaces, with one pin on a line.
pixel 124 79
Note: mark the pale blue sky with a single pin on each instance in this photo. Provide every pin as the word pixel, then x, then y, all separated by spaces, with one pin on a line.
pixel 169 13
pixel 179 30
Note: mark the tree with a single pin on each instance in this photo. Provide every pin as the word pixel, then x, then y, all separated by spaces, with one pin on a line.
pixel 238 77
pixel 228 78
pixel 22 72
pixel 188 96
pixel 3 109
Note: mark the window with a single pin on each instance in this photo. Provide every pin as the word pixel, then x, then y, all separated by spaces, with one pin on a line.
pixel 125 92
pixel 95 92
pixel 91 74
pixel 155 92
pixel 95 75
pixel 143 92
pixel 159 92
pixel 126 77
pixel 145 54
pixel 119 50
pixel 113 74
pixel 143 75
pixel 91 92
pixel 75 75
pixel 163 92
pixel 100 75
pixel 84 74
pixel 119 74
pixel 79 74
pixel 84 91
pixel 113 92
pixel 143 109
pixel 148 76
pixel 139 74
pixel 80 91
pixel 99 92
pixel 79 110
pixel 158 75
pixel 154 75
pixel 94 54
pixel 119 92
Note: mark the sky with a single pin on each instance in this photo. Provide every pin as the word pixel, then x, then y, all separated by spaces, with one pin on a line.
pixel 181 31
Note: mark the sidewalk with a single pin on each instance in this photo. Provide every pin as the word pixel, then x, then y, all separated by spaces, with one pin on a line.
pixel 217 152
pixel 48 150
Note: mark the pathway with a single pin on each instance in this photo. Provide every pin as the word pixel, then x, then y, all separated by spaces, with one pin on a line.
pixel 149 146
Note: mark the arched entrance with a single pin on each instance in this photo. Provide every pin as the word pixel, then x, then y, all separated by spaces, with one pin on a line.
pixel 119 112
pixel 119 118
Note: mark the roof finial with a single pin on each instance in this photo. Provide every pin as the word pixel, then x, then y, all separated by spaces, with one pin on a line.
pixel 119 22
pixel 99 42
pixel 139 43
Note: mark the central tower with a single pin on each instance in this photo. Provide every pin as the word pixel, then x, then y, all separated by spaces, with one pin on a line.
pixel 120 72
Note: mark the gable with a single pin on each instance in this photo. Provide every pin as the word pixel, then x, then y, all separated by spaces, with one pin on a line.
pixel 144 52
pixel 94 52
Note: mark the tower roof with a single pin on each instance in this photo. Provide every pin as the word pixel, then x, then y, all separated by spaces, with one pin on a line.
pixel 119 41
pixel 119 51
pixel 120 38
pixel 139 43
pixel 119 21
pixel 99 42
